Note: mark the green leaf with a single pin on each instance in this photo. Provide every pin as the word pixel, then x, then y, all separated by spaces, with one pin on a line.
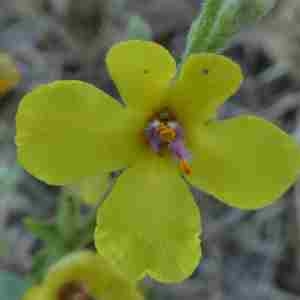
pixel 91 189
pixel 138 29
pixel 41 261
pixel 245 162
pixel 150 225
pixel 12 287
pixel 202 26
pixel 42 230
pixel 68 216
pixel 220 20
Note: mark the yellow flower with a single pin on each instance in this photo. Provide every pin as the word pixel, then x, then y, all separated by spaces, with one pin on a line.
pixel 70 130
pixel 34 293
pixel 83 276
pixel 9 74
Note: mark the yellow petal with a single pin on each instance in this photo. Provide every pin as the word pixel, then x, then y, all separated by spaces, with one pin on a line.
pixel 94 273
pixel 34 293
pixel 142 71
pixel 9 74
pixel 205 82
pixel 68 130
pixel 150 224
pixel 245 162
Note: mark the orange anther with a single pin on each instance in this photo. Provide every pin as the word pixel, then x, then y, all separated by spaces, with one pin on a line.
pixel 5 85
pixel 166 133
pixel 185 167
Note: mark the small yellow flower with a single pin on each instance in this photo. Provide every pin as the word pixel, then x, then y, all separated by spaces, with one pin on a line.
pixel 9 74
pixel 70 130
pixel 34 293
pixel 83 276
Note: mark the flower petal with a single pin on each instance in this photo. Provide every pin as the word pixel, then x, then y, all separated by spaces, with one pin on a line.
pixel 150 224
pixel 96 274
pixel 67 130
pixel 246 161
pixel 206 81
pixel 142 71
pixel 33 293
pixel 9 74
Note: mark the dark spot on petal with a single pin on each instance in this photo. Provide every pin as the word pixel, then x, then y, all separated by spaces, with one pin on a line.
pixel 73 290
pixel 205 71
pixel 146 71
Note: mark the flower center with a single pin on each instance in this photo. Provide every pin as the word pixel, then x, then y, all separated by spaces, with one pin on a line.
pixel 74 291
pixel 164 132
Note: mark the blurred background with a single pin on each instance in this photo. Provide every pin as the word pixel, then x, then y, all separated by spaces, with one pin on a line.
pixel 247 255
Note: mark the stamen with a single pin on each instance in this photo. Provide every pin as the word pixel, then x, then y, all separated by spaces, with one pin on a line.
pixel 185 167
pixel 154 124
pixel 179 150
pixel 152 136
pixel 172 124
pixel 166 133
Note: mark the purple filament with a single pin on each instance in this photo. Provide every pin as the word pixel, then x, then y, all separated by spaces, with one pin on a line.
pixel 177 146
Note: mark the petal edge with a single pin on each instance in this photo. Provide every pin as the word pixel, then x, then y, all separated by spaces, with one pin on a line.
pixel 149 226
pixel 245 162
